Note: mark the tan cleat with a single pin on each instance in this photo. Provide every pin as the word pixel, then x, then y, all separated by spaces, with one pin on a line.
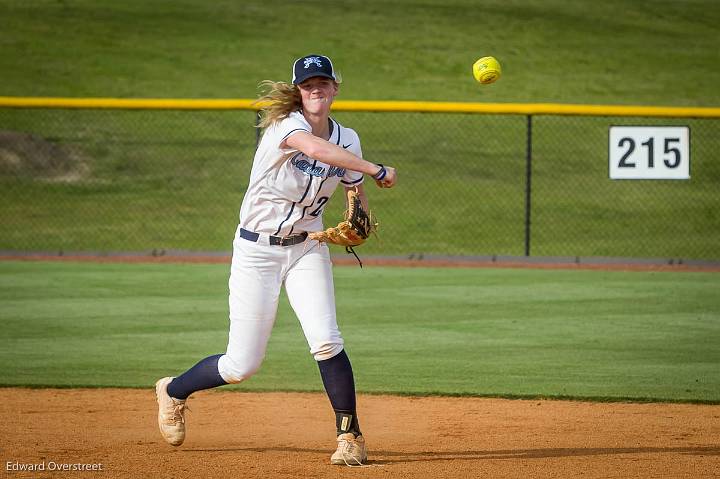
pixel 171 414
pixel 351 450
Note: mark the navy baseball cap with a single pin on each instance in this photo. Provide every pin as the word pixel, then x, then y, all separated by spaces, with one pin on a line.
pixel 312 66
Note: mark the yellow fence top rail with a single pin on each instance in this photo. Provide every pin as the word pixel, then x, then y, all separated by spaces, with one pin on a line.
pixel 368 106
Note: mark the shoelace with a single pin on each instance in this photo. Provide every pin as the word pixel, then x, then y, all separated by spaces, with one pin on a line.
pixel 176 416
pixel 352 450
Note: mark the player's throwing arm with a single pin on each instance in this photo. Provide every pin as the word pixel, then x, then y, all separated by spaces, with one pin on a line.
pixel 322 150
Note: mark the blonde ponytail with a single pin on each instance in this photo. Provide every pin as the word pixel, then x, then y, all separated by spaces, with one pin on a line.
pixel 282 99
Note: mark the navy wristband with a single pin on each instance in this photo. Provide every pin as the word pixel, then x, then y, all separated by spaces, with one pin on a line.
pixel 380 174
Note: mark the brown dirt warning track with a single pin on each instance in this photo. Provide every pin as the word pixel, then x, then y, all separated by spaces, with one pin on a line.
pixel 291 435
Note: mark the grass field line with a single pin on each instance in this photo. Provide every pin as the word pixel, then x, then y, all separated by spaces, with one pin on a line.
pixel 424 394
pixel 410 261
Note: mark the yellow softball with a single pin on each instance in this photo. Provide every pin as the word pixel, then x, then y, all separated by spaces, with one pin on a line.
pixel 487 70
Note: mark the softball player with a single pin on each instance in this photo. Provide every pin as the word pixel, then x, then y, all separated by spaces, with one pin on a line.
pixel 302 157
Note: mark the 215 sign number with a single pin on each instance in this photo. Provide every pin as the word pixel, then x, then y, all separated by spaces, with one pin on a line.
pixel 656 153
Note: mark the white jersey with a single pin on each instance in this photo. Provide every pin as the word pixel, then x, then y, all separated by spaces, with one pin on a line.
pixel 288 191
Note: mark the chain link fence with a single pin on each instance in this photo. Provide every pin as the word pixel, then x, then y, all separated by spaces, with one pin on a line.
pixel 104 180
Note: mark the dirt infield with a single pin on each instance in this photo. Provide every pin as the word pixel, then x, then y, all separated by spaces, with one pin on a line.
pixel 290 435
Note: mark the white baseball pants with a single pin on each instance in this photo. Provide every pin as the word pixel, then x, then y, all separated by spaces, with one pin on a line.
pixel 257 273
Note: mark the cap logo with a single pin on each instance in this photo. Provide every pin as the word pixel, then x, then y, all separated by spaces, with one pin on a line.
pixel 310 60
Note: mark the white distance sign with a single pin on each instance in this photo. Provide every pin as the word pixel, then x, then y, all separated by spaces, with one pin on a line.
pixel 649 152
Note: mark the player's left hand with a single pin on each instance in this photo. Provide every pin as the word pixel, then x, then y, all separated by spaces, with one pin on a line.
pixel 355 229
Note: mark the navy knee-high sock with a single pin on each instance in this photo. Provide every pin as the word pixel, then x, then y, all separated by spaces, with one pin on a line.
pixel 337 377
pixel 204 375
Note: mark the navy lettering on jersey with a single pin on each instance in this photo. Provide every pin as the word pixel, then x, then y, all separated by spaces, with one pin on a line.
pixel 302 164
pixel 336 171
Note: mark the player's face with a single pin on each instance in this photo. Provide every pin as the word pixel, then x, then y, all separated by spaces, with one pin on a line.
pixel 318 94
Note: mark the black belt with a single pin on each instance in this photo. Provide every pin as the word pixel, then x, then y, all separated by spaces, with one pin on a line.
pixel 274 240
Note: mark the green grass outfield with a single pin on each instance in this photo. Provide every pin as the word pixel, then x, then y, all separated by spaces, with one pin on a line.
pixel 488 332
